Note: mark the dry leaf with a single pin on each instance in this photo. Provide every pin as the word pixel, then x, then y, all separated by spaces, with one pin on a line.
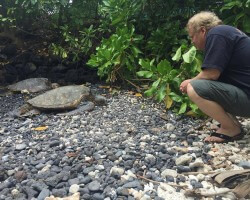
pixel 168 100
pixel 72 154
pixel 191 113
pixel 40 128
pixel 138 94
pixel 221 177
pixel 214 149
pixel 243 189
pixel 104 86
pixel 75 196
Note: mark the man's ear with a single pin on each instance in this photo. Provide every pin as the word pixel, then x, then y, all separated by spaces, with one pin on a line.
pixel 203 29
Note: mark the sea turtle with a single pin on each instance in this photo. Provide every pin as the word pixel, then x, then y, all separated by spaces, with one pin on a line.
pixel 31 85
pixel 60 99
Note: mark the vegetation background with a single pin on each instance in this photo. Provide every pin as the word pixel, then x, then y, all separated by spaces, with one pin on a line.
pixel 142 43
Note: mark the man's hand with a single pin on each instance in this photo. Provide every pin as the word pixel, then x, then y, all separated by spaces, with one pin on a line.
pixel 183 86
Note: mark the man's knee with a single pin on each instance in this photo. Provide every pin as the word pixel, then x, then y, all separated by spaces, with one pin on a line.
pixel 191 92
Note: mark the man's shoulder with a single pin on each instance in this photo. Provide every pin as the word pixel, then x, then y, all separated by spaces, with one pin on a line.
pixel 223 29
pixel 226 31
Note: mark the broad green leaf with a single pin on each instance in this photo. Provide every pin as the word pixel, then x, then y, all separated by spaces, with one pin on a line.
pixel 175 97
pixel 146 74
pixel 164 67
pixel 135 51
pixel 246 24
pixel 106 3
pixel 161 93
pixel 145 64
pixel 150 92
pixel 172 74
pixel 230 5
pixel 177 55
pixel 189 56
pixel 33 2
pixel 156 83
pixel 183 108
pixel 117 20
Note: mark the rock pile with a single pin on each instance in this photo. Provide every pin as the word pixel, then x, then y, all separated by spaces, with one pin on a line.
pixel 124 150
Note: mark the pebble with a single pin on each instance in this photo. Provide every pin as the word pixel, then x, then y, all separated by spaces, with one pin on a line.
pixel 169 172
pixel 20 147
pixel 74 188
pixel 103 154
pixel 116 171
pixel 184 159
pixel 94 186
pixel 244 164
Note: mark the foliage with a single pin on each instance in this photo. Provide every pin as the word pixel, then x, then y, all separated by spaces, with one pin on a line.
pixel 167 79
pixel 77 46
pixel 237 13
pixel 121 37
pixel 117 55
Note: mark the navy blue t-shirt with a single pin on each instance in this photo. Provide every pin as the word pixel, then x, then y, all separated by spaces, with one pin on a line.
pixel 228 50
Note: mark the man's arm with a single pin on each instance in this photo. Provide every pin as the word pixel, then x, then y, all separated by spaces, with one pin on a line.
pixel 208 74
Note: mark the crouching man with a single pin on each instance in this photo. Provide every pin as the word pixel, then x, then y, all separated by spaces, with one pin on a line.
pixel 222 89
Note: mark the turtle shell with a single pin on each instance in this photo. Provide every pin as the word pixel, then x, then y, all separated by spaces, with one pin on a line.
pixel 31 85
pixel 66 97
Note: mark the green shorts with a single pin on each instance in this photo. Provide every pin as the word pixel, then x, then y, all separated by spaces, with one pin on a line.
pixel 234 100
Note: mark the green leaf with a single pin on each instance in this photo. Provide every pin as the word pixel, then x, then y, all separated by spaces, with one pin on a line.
pixel 106 3
pixel 175 97
pixel 161 93
pixel 246 24
pixel 230 5
pixel 117 20
pixel 150 92
pixel 146 74
pixel 177 55
pixel 33 2
pixel 183 108
pixel 135 51
pixel 156 83
pixel 194 107
pixel 145 64
pixel 189 56
pixel 173 73
pixel 164 67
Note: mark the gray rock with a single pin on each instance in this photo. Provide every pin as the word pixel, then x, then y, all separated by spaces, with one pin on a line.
pixel 59 192
pixel 244 164
pixel 133 184
pixel 54 180
pixel 169 172
pixel 185 159
pixel 74 188
pixel 94 186
pixel 20 147
pixel 43 194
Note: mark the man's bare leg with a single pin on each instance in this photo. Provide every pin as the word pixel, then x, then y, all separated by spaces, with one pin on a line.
pixel 215 111
pixel 236 121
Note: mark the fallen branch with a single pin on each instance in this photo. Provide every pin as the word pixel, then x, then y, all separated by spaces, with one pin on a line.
pixel 137 87
pixel 208 193
pixel 196 173
pixel 157 182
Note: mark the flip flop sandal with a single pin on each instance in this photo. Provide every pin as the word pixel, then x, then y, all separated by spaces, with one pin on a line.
pixel 227 138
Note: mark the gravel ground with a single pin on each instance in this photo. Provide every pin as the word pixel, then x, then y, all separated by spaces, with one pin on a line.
pixel 124 150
